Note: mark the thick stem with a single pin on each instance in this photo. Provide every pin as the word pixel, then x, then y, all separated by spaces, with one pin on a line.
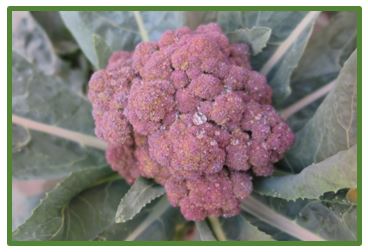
pixel 80 138
pixel 268 215
pixel 142 29
pixel 307 100
pixel 217 229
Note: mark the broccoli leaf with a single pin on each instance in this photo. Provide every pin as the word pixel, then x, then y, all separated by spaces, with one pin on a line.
pixel 47 99
pixel 157 22
pixel 290 34
pixel 102 50
pixel 195 18
pixel 301 219
pixel 204 231
pixel 118 30
pixel 82 207
pixel 332 224
pixel 40 44
pixel 333 126
pixel 91 211
pixel 322 60
pixel 38 155
pixel 58 34
pixel 30 40
pixel 331 174
pixel 257 37
pixel 139 195
pixel 82 25
pixel 51 220
pixel 157 221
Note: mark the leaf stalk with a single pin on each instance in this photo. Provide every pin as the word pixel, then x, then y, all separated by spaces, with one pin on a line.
pixel 80 138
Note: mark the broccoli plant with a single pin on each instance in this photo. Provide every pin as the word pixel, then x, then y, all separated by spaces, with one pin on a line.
pixel 184 126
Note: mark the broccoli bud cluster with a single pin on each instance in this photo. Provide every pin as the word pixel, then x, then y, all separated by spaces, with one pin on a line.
pixel 189 112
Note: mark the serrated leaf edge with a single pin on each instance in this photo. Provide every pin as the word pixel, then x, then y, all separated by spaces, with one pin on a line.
pixel 157 194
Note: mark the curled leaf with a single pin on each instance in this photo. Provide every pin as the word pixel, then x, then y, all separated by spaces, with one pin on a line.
pixel 331 174
pixel 141 193
pixel 257 37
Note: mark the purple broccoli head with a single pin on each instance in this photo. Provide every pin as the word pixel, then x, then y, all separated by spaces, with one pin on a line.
pixel 189 112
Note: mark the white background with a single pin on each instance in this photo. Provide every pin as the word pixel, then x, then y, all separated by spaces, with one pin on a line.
pixel 3 110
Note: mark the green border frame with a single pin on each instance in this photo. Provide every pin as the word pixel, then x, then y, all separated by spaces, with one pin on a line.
pixel 356 9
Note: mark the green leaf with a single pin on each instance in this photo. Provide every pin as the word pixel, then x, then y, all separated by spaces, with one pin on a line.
pixel 290 34
pixel 240 229
pixel 331 174
pixel 53 25
pixel 76 77
pixel 74 68
pixel 257 37
pixel 349 217
pixel 30 40
pixel 83 205
pixel 195 18
pixel 51 220
pixel 343 209
pixel 92 211
pixel 327 50
pixel 141 193
pixel 204 231
pixel 277 217
pixel 157 221
pixel 37 155
pixel 82 25
pixel 157 22
pixel 118 30
pixel 333 126
pixel 47 99
pixel 298 220
pixel 102 50
pixel 331 225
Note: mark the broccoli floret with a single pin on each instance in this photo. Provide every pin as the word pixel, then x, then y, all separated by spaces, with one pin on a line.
pixel 189 112
pixel 215 194
pixel 121 158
